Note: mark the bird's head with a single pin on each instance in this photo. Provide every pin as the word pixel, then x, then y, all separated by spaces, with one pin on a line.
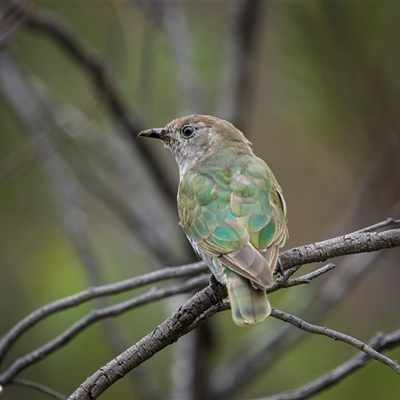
pixel 195 138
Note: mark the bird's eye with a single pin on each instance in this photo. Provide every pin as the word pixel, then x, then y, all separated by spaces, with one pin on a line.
pixel 187 131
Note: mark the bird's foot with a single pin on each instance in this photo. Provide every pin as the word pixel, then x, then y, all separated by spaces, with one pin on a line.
pixel 279 269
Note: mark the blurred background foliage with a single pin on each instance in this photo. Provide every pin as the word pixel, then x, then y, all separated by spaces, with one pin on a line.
pixel 316 88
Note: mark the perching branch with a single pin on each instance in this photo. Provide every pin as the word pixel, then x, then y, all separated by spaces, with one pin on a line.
pixel 249 22
pixel 253 357
pixel 185 319
pixel 199 307
pixel 290 258
pixel 190 315
pixel 352 243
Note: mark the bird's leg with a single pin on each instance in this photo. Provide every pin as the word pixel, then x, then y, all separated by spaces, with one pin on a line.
pixel 279 269
pixel 213 281
pixel 216 286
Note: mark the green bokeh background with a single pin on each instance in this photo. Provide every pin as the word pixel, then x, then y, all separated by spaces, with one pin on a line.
pixel 326 102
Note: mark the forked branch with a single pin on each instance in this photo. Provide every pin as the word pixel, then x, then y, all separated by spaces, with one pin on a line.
pixel 211 300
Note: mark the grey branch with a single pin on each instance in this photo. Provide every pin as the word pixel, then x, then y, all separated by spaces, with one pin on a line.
pixel 188 317
pixel 260 356
pixel 285 282
pixel 94 292
pixel 319 330
pixel 379 343
pixel 379 225
pixel 185 319
pixel 279 284
pixel 352 243
pixel 210 300
pixel 94 316
pixel 39 387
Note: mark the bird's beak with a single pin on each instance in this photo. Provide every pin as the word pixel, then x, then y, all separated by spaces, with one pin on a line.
pixel 156 133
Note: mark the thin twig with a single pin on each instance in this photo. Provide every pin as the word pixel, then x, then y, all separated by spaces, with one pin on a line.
pixel 94 316
pixel 379 343
pixel 39 387
pixel 286 274
pixel 173 329
pixel 304 279
pixel 225 305
pixel 379 225
pixel 319 330
pixel 94 292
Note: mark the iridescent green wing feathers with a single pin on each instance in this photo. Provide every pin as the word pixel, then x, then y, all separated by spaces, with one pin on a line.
pixel 235 214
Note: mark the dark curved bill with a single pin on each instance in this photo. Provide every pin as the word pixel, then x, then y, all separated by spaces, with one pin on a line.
pixel 157 133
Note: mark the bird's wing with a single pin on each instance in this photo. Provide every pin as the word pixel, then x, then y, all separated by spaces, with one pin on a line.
pixel 239 218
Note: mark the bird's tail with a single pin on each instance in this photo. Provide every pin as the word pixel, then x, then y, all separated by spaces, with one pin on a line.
pixel 249 306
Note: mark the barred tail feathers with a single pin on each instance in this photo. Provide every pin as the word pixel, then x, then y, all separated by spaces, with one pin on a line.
pixel 249 305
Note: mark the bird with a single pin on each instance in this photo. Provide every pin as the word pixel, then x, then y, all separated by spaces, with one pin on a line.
pixel 230 207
